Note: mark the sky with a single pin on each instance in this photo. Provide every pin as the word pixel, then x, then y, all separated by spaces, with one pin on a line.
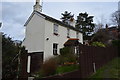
pixel 14 14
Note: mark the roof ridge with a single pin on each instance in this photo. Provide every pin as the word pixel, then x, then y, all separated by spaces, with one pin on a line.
pixel 57 21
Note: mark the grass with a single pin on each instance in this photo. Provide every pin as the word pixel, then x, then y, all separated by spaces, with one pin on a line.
pixel 59 70
pixel 67 68
pixel 110 70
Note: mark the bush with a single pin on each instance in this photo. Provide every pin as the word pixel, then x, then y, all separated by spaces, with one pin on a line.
pixel 98 44
pixel 67 59
pixel 65 51
pixel 66 56
pixel 48 68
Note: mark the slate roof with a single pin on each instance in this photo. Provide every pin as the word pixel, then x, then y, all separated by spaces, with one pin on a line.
pixel 57 21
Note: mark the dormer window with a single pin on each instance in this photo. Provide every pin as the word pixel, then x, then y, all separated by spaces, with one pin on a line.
pixel 55 26
pixel 68 33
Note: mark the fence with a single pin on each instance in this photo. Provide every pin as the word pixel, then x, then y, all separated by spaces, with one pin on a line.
pixel 23 59
pixel 92 58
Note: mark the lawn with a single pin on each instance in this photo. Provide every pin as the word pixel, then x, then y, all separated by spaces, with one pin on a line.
pixel 110 70
pixel 67 68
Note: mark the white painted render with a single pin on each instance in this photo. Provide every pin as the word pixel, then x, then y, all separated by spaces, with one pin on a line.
pixel 38 30
pixel 34 37
pixel 60 39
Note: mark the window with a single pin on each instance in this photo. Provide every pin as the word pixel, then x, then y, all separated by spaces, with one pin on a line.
pixel 56 29
pixel 68 33
pixel 77 35
pixel 55 46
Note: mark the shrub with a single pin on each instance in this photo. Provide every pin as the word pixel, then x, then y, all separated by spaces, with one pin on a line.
pixel 66 56
pixel 62 60
pixel 48 68
pixel 65 51
pixel 99 44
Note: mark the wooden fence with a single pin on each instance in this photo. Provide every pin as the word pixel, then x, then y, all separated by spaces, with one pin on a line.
pixel 92 58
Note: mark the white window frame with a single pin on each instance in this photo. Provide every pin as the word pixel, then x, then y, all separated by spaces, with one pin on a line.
pixel 55 49
pixel 55 28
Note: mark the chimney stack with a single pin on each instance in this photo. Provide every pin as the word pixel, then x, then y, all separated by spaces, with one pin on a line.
pixel 72 22
pixel 37 6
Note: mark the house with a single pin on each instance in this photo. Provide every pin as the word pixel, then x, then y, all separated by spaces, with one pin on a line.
pixel 46 35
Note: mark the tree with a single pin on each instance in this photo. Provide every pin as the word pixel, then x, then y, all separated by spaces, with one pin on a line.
pixel 9 61
pixel 85 25
pixel 66 17
pixel 116 18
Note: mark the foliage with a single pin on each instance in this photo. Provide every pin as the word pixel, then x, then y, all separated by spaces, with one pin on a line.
pixel 84 24
pixel 49 67
pixel 52 65
pixel 66 17
pixel 9 63
pixel 117 44
pixel 65 51
pixel 103 36
pixel 99 44
pixel 66 55
pixel 67 59
pixel 116 18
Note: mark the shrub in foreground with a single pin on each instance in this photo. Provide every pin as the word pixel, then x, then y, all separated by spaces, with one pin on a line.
pixel 49 67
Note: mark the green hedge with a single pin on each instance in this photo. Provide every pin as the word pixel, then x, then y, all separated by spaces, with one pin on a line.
pixel 99 44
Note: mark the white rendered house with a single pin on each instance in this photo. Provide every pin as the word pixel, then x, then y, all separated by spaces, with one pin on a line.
pixel 47 35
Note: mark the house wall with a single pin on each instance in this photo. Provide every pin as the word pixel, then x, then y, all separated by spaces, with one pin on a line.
pixel 34 40
pixel 38 30
pixel 60 39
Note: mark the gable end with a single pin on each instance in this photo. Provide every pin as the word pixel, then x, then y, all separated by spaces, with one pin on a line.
pixel 32 16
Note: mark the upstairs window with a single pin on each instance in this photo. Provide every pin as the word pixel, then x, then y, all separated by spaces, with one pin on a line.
pixel 55 48
pixel 55 29
pixel 68 33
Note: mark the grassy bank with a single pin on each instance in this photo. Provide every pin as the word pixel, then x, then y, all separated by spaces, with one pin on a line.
pixel 110 70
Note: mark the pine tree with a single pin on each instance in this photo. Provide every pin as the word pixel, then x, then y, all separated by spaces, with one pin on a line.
pixel 66 16
pixel 85 24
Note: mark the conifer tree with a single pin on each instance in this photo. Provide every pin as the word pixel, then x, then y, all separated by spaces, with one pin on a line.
pixel 85 24
pixel 66 16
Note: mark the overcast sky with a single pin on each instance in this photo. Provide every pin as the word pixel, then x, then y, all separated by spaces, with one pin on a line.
pixel 15 14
